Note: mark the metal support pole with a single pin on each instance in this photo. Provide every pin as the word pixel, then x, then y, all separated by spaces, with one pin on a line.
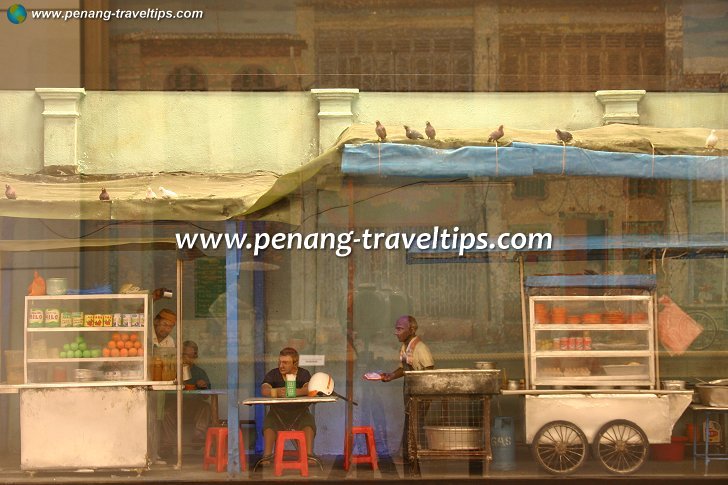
pixel 179 382
pixel 350 329
pixel 232 272
pixel 259 340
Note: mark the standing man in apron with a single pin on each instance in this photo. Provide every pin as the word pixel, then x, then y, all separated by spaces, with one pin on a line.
pixel 413 355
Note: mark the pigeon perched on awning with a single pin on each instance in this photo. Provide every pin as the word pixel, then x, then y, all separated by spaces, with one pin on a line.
pixel 9 192
pixel 413 134
pixel 381 131
pixel 430 131
pixel 712 140
pixel 150 193
pixel 104 195
pixel 496 135
pixel 166 193
pixel 564 136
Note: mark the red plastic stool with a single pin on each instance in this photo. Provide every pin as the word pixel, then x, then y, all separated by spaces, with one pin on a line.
pixel 218 436
pixel 301 464
pixel 370 457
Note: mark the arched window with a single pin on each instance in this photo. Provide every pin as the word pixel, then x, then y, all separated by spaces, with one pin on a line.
pixel 253 78
pixel 185 78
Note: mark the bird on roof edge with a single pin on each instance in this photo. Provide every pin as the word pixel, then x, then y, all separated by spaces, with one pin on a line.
pixel 381 131
pixel 496 135
pixel 10 192
pixel 166 193
pixel 413 134
pixel 150 193
pixel 712 140
pixel 564 136
pixel 430 131
pixel 104 195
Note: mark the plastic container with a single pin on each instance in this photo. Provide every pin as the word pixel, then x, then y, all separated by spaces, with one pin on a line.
pixel 14 366
pixel 674 451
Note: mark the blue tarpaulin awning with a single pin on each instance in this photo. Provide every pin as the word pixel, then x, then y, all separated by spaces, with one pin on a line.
pixel 523 160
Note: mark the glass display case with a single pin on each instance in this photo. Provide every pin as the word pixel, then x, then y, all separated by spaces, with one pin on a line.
pixel 592 341
pixel 86 338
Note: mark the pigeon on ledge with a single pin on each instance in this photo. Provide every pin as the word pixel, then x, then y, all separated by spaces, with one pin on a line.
pixel 496 135
pixel 150 193
pixel 564 136
pixel 430 131
pixel 712 140
pixel 167 194
pixel 104 195
pixel 413 134
pixel 381 131
pixel 9 192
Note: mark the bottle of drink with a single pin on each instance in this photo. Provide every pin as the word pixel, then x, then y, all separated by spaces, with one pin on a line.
pixel 157 368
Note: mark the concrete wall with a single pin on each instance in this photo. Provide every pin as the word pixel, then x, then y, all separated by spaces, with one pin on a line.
pixel 40 52
pixel 239 132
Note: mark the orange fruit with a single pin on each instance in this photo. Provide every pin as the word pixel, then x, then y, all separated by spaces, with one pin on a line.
pixel 123 353
pixel 124 337
pixel 119 344
pixel 133 337
pixel 114 352
pixel 137 345
pixel 106 352
pixel 111 344
pixel 115 336
pixel 140 351
pixel 133 352
pixel 128 344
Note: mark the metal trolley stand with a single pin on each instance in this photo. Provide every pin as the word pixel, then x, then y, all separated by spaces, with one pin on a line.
pixel 449 414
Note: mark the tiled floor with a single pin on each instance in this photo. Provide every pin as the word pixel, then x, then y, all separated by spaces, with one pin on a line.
pixel 440 471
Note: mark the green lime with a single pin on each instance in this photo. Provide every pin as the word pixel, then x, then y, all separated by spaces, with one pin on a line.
pixel 86 354
pixel 63 355
pixel 95 353
pixel 66 347
pixel 79 339
pixel 77 354
pixel 74 346
pixel 82 346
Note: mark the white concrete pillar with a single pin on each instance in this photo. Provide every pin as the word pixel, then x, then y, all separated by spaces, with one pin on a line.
pixel 60 124
pixel 335 113
pixel 620 105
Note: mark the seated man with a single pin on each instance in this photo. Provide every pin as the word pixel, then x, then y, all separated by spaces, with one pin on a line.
pixel 289 416
pixel 196 411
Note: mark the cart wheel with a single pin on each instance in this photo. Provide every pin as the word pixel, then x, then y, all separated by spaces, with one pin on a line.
pixel 710 330
pixel 560 447
pixel 621 446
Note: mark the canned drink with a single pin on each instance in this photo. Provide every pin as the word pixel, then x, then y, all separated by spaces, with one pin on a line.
pixel 134 319
pixel 126 320
pixel 66 319
pixel 36 317
pixel 88 320
pixel 564 343
pixel 572 343
pixel 556 343
pixel 52 317
pixel 142 320
pixel 98 320
pixel 77 319
pixel 116 321
pixel 108 319
pixel 587 343
pixel 579 343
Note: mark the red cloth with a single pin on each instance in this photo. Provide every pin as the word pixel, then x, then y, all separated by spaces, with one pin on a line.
pixel 676 329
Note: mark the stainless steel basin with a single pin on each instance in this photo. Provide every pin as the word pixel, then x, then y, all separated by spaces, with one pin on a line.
pixel 452 381
pixel 713 394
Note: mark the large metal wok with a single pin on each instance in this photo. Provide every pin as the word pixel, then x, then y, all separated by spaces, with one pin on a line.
pixel 714 393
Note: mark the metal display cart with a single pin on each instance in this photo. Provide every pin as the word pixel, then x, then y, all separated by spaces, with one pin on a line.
pixel 449 414
pixel 69 365
pixel 600 341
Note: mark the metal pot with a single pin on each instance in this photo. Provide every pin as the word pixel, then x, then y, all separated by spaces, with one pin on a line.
pixel 485 365
pixel 673 385
pixel 449 438
pixel 713 394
